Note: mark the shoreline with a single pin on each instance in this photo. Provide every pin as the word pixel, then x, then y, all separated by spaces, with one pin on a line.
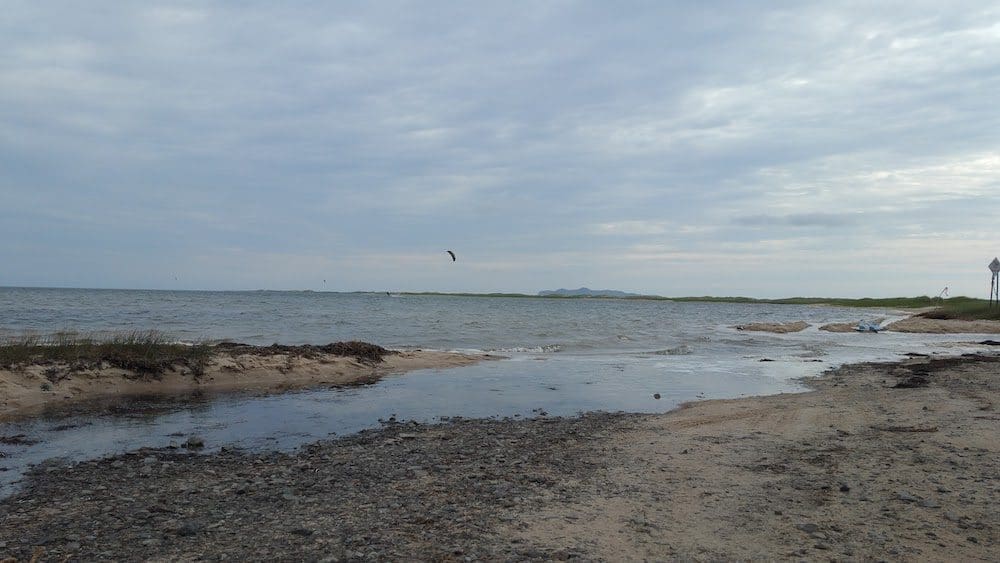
pixel 30 390
pixel 877 461
pixel 912 324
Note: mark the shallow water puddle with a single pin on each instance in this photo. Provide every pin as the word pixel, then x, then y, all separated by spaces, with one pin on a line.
pixel 564 386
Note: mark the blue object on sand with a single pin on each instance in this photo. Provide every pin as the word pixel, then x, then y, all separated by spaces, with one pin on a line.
pixel 868 326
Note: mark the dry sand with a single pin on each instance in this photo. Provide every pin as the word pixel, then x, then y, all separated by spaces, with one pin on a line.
pixel 881 462
pixel 31 389
pixel 945 326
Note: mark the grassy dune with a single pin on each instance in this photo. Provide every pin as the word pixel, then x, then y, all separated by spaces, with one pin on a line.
pixel 152 353
pixel 144 352
pixel 964 308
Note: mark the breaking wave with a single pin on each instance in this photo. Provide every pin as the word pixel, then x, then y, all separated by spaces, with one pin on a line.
pixel 549 348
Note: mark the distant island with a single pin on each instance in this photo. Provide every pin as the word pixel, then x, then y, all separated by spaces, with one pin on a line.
pixel 586 292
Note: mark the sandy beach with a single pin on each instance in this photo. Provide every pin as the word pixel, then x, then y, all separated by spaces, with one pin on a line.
pixel 28 390
pixel 896 461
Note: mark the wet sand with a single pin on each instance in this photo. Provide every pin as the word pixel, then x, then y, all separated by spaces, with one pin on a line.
pixel 28 390
pixel 896 461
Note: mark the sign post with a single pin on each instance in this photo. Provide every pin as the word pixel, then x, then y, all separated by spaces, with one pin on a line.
pixel 994 282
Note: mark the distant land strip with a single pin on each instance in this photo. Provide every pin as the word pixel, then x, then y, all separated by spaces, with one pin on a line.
pixel 964 308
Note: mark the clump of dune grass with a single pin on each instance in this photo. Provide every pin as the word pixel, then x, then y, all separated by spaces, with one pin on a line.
pixel 363 351
pixel 142 352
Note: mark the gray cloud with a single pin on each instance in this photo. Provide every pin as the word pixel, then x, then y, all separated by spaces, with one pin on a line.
pixel 527 131
pixel 801 220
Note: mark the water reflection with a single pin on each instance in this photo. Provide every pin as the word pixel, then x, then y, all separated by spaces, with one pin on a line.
pixel 509 388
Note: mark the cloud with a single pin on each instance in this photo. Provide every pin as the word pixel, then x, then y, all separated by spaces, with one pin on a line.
pixel 631 228
pixel 801 220
pixel 550 137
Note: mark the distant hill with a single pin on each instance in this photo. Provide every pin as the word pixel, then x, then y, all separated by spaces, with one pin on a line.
pixel 585 292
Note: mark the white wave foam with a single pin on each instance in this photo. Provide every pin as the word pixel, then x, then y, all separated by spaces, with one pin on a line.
pixel 549 348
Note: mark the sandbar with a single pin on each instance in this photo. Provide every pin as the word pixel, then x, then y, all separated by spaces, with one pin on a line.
pixel 29 390
pixel 945 326
pixel 778 328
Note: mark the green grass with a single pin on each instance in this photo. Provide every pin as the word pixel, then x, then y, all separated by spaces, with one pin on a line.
pixel 883 302
pixel 143 352
pixel 965 308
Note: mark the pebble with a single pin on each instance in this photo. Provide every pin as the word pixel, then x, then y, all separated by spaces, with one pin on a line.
pixel 189 529
pixel 808 527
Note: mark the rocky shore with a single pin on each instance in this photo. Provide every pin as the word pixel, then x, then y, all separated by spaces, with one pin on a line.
pixel 895 461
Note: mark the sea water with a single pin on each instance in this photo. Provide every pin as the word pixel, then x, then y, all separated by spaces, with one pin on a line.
pixel 561 357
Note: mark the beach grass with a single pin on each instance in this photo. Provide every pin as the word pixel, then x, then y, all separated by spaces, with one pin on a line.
pixel 962 308
pixel 144 352
pixel 880 302
pixel 966 309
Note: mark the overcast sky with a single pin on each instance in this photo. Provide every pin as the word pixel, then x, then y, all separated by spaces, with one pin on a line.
pixel 677 148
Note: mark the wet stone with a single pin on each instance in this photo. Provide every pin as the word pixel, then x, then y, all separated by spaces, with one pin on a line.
pixel 189 529
pixel 194 442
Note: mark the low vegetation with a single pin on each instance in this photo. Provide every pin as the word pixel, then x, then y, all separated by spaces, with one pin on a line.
pixel 152 353
pixel 143 352
pixel 966 309
pixel 362 351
